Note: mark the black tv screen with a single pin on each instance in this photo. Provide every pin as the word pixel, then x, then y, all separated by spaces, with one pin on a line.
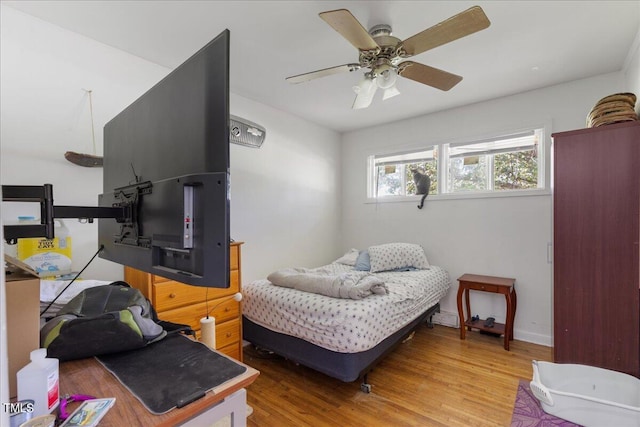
pixel 166 158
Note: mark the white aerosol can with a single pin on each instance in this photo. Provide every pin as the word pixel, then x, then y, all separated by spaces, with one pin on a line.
pixel 38 381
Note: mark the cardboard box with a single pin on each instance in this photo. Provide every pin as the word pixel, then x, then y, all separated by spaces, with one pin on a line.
pixel 22 287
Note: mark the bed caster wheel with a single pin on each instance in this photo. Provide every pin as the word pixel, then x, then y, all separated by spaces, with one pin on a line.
pixel 365 388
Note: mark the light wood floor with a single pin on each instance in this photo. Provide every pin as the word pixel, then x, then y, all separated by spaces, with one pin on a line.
pixel 433 379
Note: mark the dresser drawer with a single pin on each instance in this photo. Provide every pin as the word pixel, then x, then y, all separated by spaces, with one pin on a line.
pixel 192 314
pixel 225 310
pixel 232 350
pixel 189 315
pixel 227 337
pixel 170 295
pixel 227 333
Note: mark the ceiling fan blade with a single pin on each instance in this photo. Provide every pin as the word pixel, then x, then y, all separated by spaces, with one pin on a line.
pixel 350 28
pixel 322 73
pixel 458 26
pixel 428 75
pixel 365 91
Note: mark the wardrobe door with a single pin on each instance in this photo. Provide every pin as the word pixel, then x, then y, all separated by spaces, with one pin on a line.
pixel 596 234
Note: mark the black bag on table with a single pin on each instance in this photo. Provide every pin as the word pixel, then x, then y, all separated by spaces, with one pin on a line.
pixel 103 320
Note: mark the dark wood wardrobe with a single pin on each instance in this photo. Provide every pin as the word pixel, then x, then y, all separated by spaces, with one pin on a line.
pixel 596 234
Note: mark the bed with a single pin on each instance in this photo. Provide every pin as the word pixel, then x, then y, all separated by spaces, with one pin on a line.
pixel 345 337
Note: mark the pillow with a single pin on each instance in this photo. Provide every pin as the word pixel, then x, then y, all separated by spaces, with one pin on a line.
pixel 349 258
pixel 362 263
pixel 392 256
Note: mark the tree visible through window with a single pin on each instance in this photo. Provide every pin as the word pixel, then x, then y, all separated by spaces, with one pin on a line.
pixel 514 171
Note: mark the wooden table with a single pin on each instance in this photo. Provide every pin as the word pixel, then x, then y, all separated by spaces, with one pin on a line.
pixel 87 376
pixel 498 285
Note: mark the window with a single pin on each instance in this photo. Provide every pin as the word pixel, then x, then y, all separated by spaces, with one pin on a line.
pixel 497 164
pixel 393 173
pixel 500 164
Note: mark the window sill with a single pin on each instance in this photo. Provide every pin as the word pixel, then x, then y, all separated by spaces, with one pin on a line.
pixel 460 196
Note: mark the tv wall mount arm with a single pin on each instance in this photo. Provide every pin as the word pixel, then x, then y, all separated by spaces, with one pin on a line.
pixel 123 212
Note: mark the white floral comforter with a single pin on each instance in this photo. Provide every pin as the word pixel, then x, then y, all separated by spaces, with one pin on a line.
pixel 344 325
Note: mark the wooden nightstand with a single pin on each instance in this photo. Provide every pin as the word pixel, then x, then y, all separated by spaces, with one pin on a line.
pixel 179 303
pixel 497 285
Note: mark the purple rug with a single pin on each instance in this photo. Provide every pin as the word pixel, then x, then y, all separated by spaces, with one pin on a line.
pixel 527 411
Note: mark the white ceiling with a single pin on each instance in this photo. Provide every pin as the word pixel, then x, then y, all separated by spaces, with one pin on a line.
pixel 529 45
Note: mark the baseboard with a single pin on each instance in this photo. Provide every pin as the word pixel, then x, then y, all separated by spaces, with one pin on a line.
pixel 451 320
pixel 533 338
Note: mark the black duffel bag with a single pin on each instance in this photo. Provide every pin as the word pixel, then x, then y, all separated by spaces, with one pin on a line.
pixel 103 320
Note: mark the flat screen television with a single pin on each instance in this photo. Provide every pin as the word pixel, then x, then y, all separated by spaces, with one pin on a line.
pixel 166 159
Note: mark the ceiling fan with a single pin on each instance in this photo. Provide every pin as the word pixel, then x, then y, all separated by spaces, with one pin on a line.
pixel 384 55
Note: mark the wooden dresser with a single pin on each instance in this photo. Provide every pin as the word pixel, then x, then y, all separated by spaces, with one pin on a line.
pixel 180 303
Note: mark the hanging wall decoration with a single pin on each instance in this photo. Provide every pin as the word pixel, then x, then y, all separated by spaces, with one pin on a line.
pixel 83 159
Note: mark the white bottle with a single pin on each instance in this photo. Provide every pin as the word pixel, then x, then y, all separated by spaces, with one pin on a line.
pixel 38 381
pixel 61 232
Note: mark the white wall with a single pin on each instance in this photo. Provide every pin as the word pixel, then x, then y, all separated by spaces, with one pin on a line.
pixel 284 196
pixel 632 70
pixel 505 236
pixel 45 112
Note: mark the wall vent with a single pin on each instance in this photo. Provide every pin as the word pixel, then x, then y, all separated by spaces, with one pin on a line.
pixel 245 132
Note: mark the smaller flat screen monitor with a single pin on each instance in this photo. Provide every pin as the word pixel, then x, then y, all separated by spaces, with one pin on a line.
pixel 166 158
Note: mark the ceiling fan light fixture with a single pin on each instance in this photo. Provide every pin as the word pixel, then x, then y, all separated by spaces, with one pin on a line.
pixel 390 93
pixel 365 91
pixel 387 79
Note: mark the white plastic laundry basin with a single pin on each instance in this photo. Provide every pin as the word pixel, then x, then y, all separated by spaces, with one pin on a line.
pixel 586 395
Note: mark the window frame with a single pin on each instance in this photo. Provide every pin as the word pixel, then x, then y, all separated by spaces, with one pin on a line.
pixel 442 147
pixel 373 175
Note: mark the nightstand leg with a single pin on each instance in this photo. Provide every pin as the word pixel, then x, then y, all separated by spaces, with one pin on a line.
pixel 508 327
pixel 460 312
pixel 515 304
pixel 468 304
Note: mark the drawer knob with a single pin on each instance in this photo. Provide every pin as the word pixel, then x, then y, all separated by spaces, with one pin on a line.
pixel 228 334
pixel 226 309
pixel 172 295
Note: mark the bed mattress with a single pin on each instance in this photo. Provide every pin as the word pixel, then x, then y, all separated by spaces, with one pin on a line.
pixel 345 325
